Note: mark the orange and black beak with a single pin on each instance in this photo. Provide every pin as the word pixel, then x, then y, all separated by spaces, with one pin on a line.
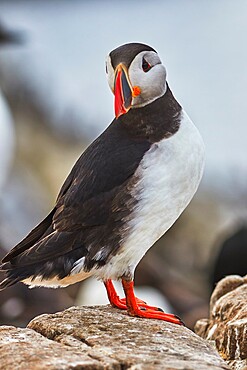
pixel 123 91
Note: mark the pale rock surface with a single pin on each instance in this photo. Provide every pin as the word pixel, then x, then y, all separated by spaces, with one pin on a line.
pixel 227 323
pixel 101 337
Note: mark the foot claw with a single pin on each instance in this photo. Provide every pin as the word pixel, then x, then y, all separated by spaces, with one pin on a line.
pixel 160 309
pixel 181 322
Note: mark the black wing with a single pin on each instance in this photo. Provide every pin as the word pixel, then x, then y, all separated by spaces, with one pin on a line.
pixel 110 161
pixel 91 204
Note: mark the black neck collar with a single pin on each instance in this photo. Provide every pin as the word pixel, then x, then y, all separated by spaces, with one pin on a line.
pixel 155 121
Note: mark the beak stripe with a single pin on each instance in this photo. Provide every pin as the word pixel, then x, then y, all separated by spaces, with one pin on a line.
pixel 126 90
pixel 122 91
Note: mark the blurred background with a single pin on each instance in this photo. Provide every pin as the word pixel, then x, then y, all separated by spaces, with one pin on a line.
pixel 54 100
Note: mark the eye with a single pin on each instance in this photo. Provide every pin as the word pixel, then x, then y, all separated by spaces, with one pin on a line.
pixel 145 65
pixel 106 69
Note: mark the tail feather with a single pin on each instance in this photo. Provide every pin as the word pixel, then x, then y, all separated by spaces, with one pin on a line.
pixel 52 257
pixel 6 283
pixel 14 274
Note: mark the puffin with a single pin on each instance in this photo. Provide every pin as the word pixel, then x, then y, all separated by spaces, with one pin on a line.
pixel 123 193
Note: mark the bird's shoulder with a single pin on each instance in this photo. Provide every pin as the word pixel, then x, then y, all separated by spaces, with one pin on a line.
pixel 102 170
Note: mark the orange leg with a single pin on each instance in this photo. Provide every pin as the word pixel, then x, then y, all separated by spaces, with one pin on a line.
pixel 115 301
pixel 135 306
pixel 147 311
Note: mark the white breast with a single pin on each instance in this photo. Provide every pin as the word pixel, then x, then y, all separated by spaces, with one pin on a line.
pixel 169 174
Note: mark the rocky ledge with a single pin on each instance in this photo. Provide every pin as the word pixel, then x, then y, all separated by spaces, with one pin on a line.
pixel 103 338
pixel 227 323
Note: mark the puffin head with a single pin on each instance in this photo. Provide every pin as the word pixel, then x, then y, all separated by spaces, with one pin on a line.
pixel 135 75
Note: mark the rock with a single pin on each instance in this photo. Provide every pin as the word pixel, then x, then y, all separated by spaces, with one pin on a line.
pixel 101 337
pixel 24 349
pixel 227 323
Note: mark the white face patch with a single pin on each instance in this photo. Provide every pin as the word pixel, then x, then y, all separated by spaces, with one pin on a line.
pixel 110 73
pixel 152 83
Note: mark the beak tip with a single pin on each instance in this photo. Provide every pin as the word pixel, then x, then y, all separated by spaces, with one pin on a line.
pixel 118 114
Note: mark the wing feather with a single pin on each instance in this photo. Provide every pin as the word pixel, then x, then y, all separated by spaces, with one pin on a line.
pixel 85 201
